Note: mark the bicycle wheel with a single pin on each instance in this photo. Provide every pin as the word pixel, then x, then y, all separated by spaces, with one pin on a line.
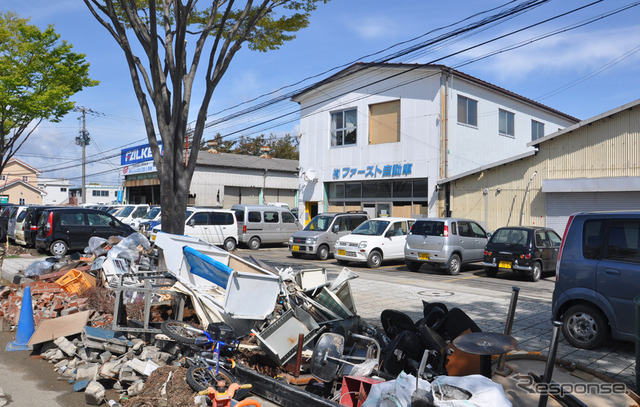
pixel 184 332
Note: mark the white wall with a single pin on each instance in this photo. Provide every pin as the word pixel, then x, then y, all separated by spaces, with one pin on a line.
pixel 53 187
pixel 419 133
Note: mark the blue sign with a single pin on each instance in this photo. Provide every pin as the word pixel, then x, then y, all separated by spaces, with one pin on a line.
pixel 373 171
pixel 138 154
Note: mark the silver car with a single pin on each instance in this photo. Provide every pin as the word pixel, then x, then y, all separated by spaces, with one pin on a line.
pixel 446 243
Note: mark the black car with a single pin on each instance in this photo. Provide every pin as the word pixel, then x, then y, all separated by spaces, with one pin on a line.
pixel 531 250
pixel 64 229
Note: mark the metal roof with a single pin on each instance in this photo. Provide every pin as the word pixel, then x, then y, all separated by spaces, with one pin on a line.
pixel 247 161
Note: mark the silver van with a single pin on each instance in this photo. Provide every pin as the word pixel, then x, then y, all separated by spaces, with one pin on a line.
pixel 447 243
pixel 258 224
pixel 321 234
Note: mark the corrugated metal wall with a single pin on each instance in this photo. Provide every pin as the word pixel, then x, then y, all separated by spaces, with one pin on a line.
pixel 609 147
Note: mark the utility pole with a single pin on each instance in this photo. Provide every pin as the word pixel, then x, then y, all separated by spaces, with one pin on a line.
pixel 83 140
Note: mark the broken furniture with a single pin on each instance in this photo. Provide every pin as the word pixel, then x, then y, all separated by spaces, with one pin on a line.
pixel 154 287
pixel 485 344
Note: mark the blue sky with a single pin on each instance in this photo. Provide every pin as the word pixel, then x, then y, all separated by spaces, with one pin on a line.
pixel 582 72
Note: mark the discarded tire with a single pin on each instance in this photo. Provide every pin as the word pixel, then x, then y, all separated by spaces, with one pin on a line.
pixel 183 332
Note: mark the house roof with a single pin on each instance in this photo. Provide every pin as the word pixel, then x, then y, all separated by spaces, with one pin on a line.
pixel 541 140
pixel 24 164
pixel 25 184
pixel 247 161
pixel 360 66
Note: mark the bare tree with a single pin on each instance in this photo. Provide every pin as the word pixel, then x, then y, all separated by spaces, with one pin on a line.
pixel 163 73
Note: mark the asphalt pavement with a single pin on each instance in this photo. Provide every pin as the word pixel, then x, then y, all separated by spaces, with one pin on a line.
pixel 393 287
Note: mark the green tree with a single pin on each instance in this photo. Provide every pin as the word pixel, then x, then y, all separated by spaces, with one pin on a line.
pixel 250 146
pixel 222 146
pixel 284 147
pixel 163 74
pixel 38 75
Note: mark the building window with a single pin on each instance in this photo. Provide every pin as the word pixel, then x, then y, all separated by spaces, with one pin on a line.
pixel 25 178
pixel 95 193
pixel 3 177
pixel 343 128
pixel 384 122
pixel 63 189
pixel 467 111
pixel 21 201
pixel 506 123
pixel 104 193
pixel 537 130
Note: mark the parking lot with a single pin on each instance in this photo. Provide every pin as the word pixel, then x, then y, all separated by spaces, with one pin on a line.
pixel 485 299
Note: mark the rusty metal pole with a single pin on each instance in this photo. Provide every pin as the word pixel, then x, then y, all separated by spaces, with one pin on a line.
pixel 509 325
pixel 299 355
pixel 551 361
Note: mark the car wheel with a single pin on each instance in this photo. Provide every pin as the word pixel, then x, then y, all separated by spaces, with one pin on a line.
pixel 254 243
pixel 491 271
pixel 584 326
pixel 343 262
pixel 323 252
pixel 535 274
pixel 374 260
pixel 296 255
pixel 230 244
pixel 413 265
pixel 58 248
pixel 454 265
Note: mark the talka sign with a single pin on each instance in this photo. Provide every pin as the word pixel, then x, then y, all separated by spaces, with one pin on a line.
pixel 138 154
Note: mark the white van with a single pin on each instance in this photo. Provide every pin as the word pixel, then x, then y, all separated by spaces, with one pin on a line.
pixel 11 226
pixel 259 224
pixel 216 226
pixel 130 214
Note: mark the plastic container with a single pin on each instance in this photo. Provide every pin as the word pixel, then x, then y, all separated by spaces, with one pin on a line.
pixel 74 282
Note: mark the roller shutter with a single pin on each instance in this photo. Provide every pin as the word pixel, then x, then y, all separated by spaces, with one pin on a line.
pixel 562 204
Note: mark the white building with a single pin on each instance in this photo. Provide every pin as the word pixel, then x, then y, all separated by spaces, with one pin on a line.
pixel 57 190
pixel 96 194
pixel 378 137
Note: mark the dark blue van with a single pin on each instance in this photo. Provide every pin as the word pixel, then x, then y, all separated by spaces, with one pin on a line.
pixel 597 277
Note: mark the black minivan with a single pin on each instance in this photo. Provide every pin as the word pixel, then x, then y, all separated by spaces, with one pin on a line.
pixel 64 229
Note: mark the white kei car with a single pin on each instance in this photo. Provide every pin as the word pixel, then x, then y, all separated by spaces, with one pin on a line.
pixel 373 241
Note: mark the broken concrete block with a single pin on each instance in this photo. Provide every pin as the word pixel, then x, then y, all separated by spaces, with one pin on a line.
pixel 87 372
pixel 137 344
pixel 91 344
pixel 62 364
pixel 105 356
pixel 142 367
pixel 127 374
pixel 115 348
pixel 66 346
pixel 94 394
pixel 55 355
pixel 110 369
pixel 135 388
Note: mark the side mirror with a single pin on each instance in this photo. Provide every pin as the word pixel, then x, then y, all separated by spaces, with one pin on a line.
pixel 191 222
pixel 336 228
pixel 389 233
pixel 489 234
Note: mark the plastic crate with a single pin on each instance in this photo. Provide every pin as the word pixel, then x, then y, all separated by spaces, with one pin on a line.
pixel 74 282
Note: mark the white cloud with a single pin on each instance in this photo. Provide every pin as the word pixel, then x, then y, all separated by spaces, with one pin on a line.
pixel 373 27
pixel 577 52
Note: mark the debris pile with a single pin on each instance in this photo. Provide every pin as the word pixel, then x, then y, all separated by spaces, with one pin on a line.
pixel 160 324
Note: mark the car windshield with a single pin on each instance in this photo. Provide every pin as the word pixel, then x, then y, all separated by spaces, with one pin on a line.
pixel 428 228
pixel 152 213
pixel 319 223
pixel 371 228
pixel 125 211
pixel 511 237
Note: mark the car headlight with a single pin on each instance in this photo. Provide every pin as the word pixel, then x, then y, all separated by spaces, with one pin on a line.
pixel 362 244
pixel 311 240
pixel 290 239
pixel 338 243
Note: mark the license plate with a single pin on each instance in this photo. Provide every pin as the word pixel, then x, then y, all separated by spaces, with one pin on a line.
pixel 504 264
pixel 342 252
pixel 295 248
pixel 423 256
